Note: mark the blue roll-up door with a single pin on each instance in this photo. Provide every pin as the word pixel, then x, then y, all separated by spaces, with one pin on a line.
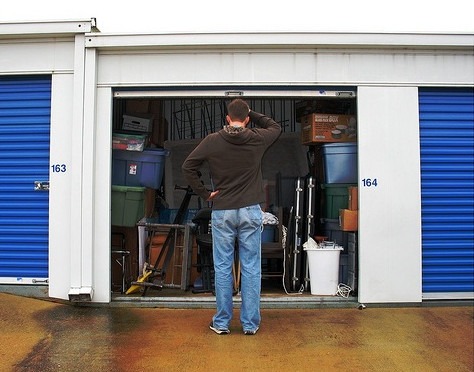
pixel 25 107
pixel 447 186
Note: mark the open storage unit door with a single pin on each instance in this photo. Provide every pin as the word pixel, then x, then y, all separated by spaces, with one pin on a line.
pixel 310 180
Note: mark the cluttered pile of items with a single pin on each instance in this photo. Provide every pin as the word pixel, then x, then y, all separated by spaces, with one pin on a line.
pixel 320 208
pixel 322 222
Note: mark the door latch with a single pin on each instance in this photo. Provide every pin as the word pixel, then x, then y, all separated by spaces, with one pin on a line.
pixel 41 185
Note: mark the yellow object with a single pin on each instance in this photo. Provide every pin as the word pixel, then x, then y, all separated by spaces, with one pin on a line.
pixel 135 287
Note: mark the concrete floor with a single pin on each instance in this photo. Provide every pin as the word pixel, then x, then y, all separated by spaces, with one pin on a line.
pixel 40 335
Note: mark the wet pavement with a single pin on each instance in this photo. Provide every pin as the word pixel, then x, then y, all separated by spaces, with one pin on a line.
pixel 40 335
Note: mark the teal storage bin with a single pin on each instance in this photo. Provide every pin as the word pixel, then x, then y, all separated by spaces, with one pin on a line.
pixel 336 196
pixel 128 205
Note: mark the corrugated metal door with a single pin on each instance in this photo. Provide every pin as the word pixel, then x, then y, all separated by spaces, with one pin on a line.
pixel 447 179
pixel 25 107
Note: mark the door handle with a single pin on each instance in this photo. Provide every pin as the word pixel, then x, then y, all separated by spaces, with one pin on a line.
pixel 41 185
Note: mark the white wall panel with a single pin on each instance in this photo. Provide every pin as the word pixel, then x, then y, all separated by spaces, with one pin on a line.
pixel 60 195
pixel 205 68
pixel 394 67
pixel 32 56
pixel 325 67
pixel 101 192
pixel 390 211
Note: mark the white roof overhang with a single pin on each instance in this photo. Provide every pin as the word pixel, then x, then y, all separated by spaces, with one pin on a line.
pixel 277 40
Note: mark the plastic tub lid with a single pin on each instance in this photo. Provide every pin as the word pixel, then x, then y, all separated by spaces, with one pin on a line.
pixel 311 245
pixel 336 248
pixel 128 188
pixel 161 150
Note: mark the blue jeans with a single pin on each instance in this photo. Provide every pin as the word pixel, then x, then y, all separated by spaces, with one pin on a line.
pixel 243 225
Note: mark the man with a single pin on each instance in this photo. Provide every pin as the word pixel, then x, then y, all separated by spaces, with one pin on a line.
pixel 234 155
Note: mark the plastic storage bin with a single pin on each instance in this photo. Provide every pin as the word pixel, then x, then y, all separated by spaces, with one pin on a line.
pixel 129 142
pixel 269 233
pixel 340 162
pixel 336 196
pixel 144 168
pixel 128 205
pixel 167 216
pixel 333 231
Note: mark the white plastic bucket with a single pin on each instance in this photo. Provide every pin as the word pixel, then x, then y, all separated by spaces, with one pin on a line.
pixel 324 270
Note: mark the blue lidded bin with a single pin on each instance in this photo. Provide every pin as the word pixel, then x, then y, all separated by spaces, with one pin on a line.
pixel 139 168
pixel 340 162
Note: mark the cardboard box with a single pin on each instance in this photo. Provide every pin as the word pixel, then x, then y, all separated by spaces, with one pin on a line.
pixel 142 123
pixel 137 105
pixel 156 246
pixel 353 204
pixel 150 199
pixel 348 220
pixel 316 128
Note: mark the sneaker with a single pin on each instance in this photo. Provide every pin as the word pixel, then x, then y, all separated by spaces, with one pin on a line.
pixel 250 332
pixel 219 331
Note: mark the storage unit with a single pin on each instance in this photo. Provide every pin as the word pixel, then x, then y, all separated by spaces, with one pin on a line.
pixel 366 75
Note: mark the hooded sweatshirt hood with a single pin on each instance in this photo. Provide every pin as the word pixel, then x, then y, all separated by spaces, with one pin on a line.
pixel 236 135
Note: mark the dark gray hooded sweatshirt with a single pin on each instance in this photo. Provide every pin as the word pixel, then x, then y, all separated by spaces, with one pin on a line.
pixel 234 157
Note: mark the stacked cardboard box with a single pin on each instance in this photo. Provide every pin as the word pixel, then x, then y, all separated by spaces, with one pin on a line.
pixel 316 128
pixel 142 123
pixel 149 115
pixel 348 218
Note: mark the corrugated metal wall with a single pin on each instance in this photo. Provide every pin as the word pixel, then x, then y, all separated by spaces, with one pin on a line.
pixel 25 107
pixel 447 184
